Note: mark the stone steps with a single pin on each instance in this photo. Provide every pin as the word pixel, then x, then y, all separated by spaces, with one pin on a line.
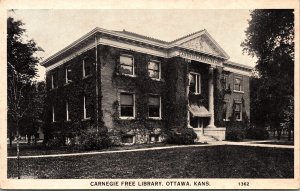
pixel 206 139
pixel 203 138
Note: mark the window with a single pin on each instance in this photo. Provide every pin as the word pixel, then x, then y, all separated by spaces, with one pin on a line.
pixel 86 68
pixel 53 113
pixel 238 84
pixel 86 113
pixel 67 73
pixel 54 80
pixel 195 83
pixel 126 65
pixel 154 107
pixel 238 111
pixel 127 105
pixel 224 113
pixel 128 139
pixel 67 111
pixel 225 81
pixel 154 138
pixel 154 70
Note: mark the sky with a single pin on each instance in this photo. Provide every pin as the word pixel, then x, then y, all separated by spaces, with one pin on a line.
pixel 53 30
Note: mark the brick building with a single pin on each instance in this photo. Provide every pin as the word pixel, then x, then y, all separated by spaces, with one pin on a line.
pixel 139 87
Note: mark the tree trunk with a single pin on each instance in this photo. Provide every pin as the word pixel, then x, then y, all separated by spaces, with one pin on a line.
pixel 35 140
pixel 28 138
pixel 278 134
pixel 18 150
pixel 10 139
pixel 289 134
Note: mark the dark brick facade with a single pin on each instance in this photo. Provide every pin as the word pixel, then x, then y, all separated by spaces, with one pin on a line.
pixel 236 96
pixel 172 87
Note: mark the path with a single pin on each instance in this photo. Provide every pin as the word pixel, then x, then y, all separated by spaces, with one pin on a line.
pixel 217 143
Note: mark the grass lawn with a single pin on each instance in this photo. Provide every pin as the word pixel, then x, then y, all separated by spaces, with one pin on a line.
pixel 40 149
pixel 193 162
pixel 277 143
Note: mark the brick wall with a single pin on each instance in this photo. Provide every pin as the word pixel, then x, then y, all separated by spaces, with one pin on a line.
pixel 172 88
pixel 238 96
pixel 112 83
pixel 72 93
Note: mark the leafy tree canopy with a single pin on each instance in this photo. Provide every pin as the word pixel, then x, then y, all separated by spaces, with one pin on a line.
pixel 270 37
pixel 21 52
pixel 21 69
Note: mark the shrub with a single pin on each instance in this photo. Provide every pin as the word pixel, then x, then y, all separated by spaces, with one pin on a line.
pixel 54 143
pixel 90 140
pixel 257 133
pixel 182 136
pixel 235 131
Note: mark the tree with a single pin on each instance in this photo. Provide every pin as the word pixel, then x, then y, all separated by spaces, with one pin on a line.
pixel 34 119
pixel 21 69
pixel 270 37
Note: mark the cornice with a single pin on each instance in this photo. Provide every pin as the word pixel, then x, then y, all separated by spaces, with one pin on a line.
pixel 238 66
pixel 162 46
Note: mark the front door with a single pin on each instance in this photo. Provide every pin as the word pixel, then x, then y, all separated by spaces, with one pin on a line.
pixel 197 124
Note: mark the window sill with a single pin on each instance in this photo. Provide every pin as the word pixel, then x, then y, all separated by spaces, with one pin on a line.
pixel 192 93
pixel 155 118
pixel 156 79
pixel 127 118
pixel 236 91
pixel 53 89
pixel 86 119
pixel 153 142
pixel 226 120
pixel 128 75
pixel 85 77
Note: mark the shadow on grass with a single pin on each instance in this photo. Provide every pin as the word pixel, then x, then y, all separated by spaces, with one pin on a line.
pixel 190 162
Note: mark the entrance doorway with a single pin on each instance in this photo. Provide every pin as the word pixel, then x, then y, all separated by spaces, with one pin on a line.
pixel 198 122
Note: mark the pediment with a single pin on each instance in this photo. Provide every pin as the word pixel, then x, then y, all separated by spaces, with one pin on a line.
pixel 203 42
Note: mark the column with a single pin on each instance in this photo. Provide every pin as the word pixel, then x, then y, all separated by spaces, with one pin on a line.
pixel 211 97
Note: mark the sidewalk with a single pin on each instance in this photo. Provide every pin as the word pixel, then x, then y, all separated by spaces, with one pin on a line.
pixel 217 143
pixel 253 143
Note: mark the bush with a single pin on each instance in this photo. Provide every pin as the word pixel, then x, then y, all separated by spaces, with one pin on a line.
pixel 257 133
pixel 89 140
pixel 235 131
pixel 54 143
pixel 181 136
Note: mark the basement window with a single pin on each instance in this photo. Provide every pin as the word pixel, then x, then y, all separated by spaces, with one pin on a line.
pixel 154 138
pixel 128 139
